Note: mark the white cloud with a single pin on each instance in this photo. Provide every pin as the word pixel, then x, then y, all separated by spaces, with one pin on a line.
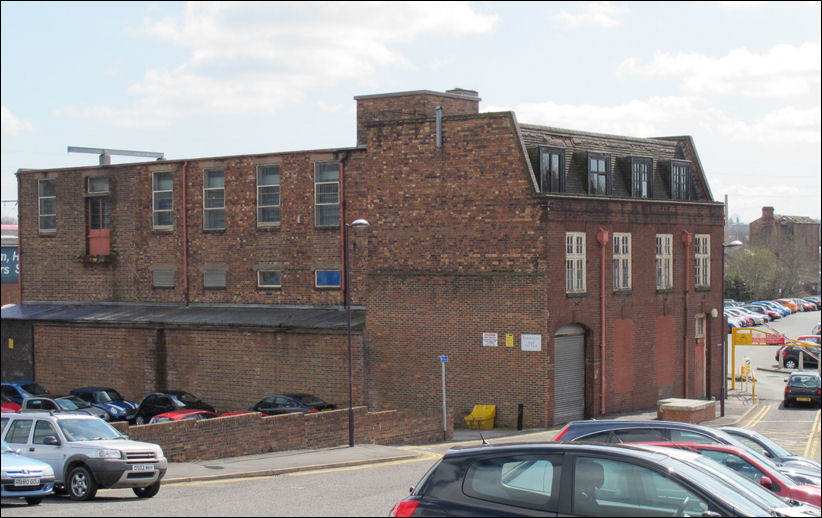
pixel 601 14
pixel 785 125
pixel 258 56
pixel 782 71
pixel 13 126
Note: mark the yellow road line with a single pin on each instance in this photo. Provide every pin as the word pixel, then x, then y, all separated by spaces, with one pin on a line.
pixel 758 417
pixel 813 439
pixel 424 456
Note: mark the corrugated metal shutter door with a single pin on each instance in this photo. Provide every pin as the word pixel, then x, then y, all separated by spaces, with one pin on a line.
pixel 569 374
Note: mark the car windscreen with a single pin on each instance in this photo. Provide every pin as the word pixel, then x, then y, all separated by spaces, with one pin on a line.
pixel 105 396
pixel 77 400
pixel 67 404
pixel 309 400
pixel 187 398
pixel 87 430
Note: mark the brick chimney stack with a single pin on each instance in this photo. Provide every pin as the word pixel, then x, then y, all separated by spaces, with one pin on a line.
pixel 767 212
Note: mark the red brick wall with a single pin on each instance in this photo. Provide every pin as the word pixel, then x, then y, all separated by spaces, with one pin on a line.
pixel 231 370
pixel 249 434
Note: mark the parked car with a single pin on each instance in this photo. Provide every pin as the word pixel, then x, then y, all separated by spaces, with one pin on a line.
pixel 771 449
pixel 87 453
pixel 757 468
pixel 754 319
pixel 291 403
pixel 789 304
pixel 180 415
pixel 580 479
pixel 17 391
pixel 24 477
pixel 165 401
pixel 817 329
pixel 790 356
pixel 804 305
pixel 109 400
pixel 618 431
pixel 769 314
pixel 68 404
pixel 803 387
pixel 735 321
pixel 8 405
pixel 783 310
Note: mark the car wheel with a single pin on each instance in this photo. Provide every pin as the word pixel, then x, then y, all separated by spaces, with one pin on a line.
pixel 791 364
pixel 148 491
pixel 81 485
pixel 34 500
pixel 140 420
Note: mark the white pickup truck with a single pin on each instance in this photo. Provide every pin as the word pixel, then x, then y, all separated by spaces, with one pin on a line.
pixel 86 453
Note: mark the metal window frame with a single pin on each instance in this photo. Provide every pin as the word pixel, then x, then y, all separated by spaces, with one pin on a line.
pixel 260 186
pixel 680 180
pixel 40 212
pixel 327 286
pixel 666 257
pixel 702 260
pixel 636 182
pixel 545 180
pixel 154 192
pixel 606 174
pixel 317 204
pixel 619 255
pixel 279 278
pixel 206 172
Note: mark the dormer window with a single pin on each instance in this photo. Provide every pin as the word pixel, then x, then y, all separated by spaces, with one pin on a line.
pixel 680 180
pixel 599 167
pixel 642 176
pixel 551 170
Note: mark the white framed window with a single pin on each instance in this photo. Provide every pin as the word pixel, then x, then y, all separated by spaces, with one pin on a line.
pixel 575 262
pixel 622 261
pixel 268 195
pixel 269 278
pixel 327 194
pixel 702 260
pixel 47 201
pixel 664 261
pixel 163 199
pixel 213 199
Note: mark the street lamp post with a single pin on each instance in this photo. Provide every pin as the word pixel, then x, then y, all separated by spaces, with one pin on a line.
pixel 723 392
pixel 355 223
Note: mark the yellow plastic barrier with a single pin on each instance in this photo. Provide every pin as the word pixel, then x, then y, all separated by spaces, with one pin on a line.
pixel 482 417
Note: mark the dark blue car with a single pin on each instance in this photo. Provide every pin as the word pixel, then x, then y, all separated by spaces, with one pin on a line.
pixel 17 391
pixel 108 399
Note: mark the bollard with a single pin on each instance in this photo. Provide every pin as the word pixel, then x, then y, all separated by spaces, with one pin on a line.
pixel 519 417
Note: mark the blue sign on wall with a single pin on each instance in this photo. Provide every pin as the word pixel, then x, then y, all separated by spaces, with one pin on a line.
pixel 11 268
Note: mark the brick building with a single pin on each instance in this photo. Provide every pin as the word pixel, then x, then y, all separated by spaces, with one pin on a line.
pixel 571 272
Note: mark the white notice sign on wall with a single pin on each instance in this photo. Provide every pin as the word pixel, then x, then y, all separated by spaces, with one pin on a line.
pixel 531 342
pixel 489 339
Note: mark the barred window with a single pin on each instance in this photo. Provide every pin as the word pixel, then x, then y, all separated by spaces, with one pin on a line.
pixel 702 259
pixel 664 261
pixel 575 262
pixel 622 261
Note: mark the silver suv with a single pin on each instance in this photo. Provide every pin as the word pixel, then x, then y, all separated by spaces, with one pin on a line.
pixel 86 453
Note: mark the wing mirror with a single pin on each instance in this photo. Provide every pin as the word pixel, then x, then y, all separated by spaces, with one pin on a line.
pixel 51 440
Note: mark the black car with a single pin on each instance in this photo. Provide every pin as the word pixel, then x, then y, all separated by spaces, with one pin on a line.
pixel 166 401
pixel 803 387
pixel 617 431
pixel 790 356
pixel 573 479
pixel 291 403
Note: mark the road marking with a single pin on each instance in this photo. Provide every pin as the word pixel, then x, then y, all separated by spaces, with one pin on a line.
pixel 758 417
pixel 813 439
pixel 424 456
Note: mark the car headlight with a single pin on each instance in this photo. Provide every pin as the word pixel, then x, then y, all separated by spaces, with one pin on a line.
pixel 110 454
pixel 5 475
pixel 48 472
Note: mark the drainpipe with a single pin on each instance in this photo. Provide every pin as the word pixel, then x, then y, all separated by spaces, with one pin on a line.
pixel 603 238
pixel 185 233
pixel 687 239
pixel 20 247
pixel 438 110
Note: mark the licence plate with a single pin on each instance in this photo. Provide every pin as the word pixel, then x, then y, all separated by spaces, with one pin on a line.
pixel 142 467
pixel 803 399
pixel 26 481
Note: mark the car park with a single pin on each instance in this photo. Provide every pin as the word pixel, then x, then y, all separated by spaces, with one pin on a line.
pixel 24 477
pixel 17 391
pixel 803 387
pixel 291 403
pixel 109 400
pixel 165 401
pixel 543 479
pixel 771 449
pixel 181 415
pixel 87 453
pixel 757 468
pixel 790 355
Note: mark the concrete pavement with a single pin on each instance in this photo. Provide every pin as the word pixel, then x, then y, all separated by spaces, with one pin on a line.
pixel 737 406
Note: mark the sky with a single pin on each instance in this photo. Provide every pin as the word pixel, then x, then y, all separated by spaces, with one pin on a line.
pixel 193 80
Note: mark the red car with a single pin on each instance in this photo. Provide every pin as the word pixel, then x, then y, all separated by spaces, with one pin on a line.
pixel 759 470
pixel 8 405
pixel 179 415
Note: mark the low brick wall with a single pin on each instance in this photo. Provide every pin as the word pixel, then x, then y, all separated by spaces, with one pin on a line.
pixel 693 411
pixel 249 434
